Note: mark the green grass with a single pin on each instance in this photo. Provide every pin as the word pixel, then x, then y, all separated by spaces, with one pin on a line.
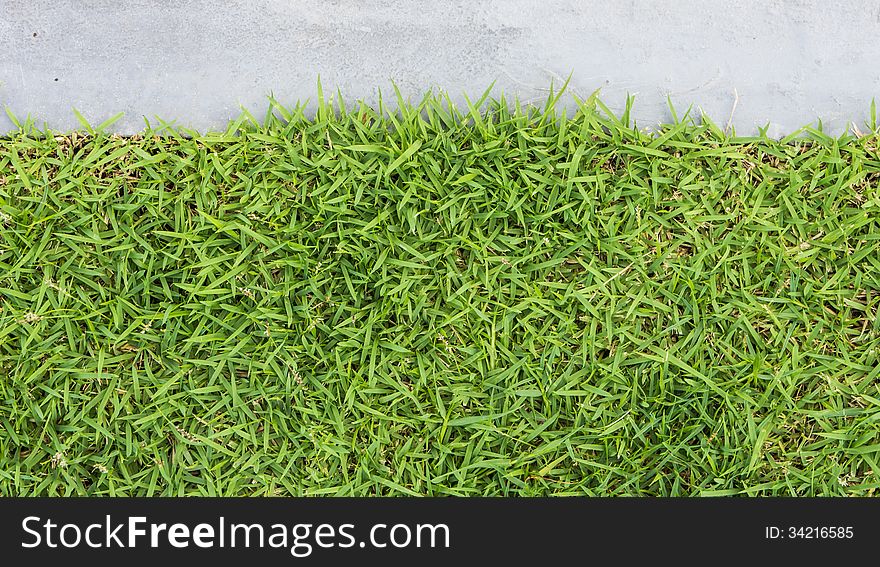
pixel 442 302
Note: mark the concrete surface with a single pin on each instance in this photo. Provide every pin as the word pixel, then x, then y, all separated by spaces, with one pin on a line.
pixel 196 61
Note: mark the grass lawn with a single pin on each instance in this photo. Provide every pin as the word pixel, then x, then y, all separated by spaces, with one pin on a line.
pixel 442 302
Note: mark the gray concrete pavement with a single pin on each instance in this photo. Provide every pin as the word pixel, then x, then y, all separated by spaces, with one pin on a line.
pixel 196 61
